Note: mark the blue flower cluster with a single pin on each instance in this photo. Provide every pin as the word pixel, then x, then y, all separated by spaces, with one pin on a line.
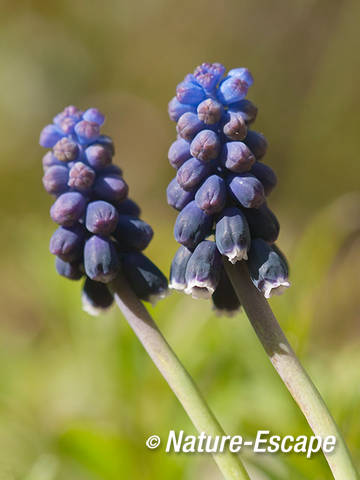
pixel 99 231
pixel 220 188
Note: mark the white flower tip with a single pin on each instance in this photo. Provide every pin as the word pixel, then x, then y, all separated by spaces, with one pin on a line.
pixel 155 297
pixel 199 289
pixel 275 288
pixel 237 254
pixel 174 285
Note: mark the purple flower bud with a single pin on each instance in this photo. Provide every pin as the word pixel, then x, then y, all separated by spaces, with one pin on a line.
pixel 247 190
pixel 49 160
pixel 189 125
pixel 67 242
pixel 237 157
pixel 178 268
pixel 111 170
pixel 98 156
pixel 262 223
pixel 101 260
pixel 211 196
pixel 209 74
pixel 179 152
pixel 246 108
pixel 71 111
pixel 233 235
pixel 176 109
pixel 81 177
pixel 232 89
pixel 55 179
pixel 87 132
pixel 267 268
pixel 205 146
pixel 177 197
pixel 107 142
pixel 235 127
pixel 96 297
pixel 210 111
pixel 66 150
pixel 192 225
pixel 189 92
pixel 192 172
pixel 111 188
pixel 49 136
pixel 101 218
pixel 71 271
pixel 68 208
pixel 242 73
pixel 203 270
pixel 266 175
pixel 94 115
pixel 67 125
pixel 128 207
pixel 147 281
pixel 257 143
pixel 133 233
pixel 224 298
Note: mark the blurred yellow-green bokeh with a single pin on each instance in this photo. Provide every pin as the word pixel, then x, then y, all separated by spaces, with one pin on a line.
pixel 78 394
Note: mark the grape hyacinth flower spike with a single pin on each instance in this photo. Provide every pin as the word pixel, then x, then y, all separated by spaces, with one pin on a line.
pixel 221 191
pixel 101 238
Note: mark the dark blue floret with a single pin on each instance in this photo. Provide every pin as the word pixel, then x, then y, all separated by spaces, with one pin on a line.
pixel 96 297
pixel 71 271
pixel 68 242
pixel 133 233
pixel 224 298
pixel 219 179
pixel 101 218
pixel 55 179
pixel 101 260
pixel 178 268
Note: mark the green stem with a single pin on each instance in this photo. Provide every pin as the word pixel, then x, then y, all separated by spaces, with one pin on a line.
pixel 175 374
pixel 290 369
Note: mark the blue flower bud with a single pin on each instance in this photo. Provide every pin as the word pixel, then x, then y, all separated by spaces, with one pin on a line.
pixel 69 112
pixel 147 281
pixel 55 179
pixel 235 126
pixel 81 177
pixel 237 157
pixel 192 172
pixel 232 234
pixel 189 92
pixel 68 208
pixel 268 270
pixel 242 73
pixel 203 270
pixel 211 196
pixel 101 217
pixel 111 188
pixel 176 109
pixel 266 175
pixel 111 170
pixel 246 108
pixel 67 242
pixel 101 260
pixel 177 197
pixel 209 74
pixel 178 268
pixel 67 125
pixel 257 143
pixel 128 207
pixel 210 111
pixel 189 125
pixel 107 142
pixel 133 233
pixel 49 136
pixel 262 223
pixel 224 298
pixel 98 156
pixel 96 297
pixel 192 225
pixel 247 190
pixel 232 89
pixel 179 152
pixel 66 150
pixel 87 132
pixel 72 271
pixel 49 160
pixel 94 115
pixel 205 146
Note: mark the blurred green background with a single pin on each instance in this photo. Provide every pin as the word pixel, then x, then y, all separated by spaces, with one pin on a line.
pixel 78 395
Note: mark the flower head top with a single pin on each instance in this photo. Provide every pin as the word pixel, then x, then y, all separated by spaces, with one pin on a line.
pixel 99 231
pixel 220 188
